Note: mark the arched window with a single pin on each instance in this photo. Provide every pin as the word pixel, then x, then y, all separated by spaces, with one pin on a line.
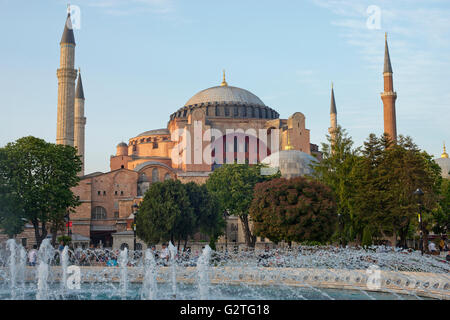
pixel 98 213
pixel 123 246
pixel 138 246
pixel 155 175
pixel 167 177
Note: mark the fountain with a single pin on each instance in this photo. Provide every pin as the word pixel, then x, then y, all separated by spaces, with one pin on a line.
pixel 12 264
pixel 123 264
pixel 149 285
pixel 45 255
pixel 305 272
pixel 203 273
pixel 173 272
pixel 64 266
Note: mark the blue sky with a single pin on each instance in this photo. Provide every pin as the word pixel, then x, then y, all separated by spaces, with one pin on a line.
pixel 141 60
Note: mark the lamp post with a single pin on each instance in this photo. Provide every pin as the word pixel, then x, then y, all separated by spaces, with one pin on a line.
pixel 419 193
pixel 67 220
pixel 340 229
pixel 134 208
pixel 225 216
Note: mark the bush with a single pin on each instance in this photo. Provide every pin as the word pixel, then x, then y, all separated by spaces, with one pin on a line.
pixel 65 239
pixel 294 210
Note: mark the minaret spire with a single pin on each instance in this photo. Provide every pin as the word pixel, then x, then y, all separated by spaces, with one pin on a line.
pixel 80 121
pixel 387 58
pixel 333 114
pixel 389 96
pixel 66 86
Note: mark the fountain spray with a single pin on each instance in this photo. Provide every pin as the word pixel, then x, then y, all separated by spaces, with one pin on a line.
pixel 173 252
pixel 123 261
pixel 149 286
pixel 12 265
pixel 203 273
pixel 44 255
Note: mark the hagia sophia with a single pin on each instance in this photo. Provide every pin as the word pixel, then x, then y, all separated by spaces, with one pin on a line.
pixel 225 123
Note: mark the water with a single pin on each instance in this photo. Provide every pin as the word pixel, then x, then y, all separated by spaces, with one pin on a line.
pixel 298 274
pixel 173 268
pixel 45 256
pixel 149 285
pixel 203 273
pixel 123 264
pixel 219 292
pixel 64 266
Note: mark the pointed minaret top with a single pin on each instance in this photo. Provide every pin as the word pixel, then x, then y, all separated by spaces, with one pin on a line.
pixel 333 102
pixel 224 83
pixel 387 59
pixel 444 154
pixel 68 36
pixel 79 93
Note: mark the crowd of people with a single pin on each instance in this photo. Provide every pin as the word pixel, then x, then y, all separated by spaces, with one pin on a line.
pixel 185 257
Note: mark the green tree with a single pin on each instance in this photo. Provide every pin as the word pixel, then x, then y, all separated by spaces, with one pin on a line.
pixel 297 209
pixel 441 215
pixel 367 237
pixel 40 176
pixel 386 176
pixel 206 208
pixel 233 185
pixel 165 213
pixel 336 171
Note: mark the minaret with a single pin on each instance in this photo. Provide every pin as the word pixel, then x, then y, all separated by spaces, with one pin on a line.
pixel 333 114
pixel 80 121
pixel 66 87
pixel 389 96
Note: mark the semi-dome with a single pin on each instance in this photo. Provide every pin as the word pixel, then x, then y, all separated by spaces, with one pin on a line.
pixel 225 94
pixel 291 163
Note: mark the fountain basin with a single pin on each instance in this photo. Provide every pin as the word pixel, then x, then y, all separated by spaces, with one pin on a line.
pixel 418 284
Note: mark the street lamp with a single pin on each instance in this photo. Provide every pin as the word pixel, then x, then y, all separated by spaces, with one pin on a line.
pixel 134 208
pixel 67 220
pixel 419 193
pixel 340 229
pixel 225 216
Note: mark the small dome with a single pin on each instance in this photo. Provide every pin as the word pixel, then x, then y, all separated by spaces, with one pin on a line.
pixel 291 163
pixel 444 163
pixel 122 144
pixel 155 132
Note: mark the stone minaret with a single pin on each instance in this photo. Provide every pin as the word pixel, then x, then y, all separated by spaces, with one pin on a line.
pixel 333 114
pixel 80 121
pixel 389 96
pixel 66 87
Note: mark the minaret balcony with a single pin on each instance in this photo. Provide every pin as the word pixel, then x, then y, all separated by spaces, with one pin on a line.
pixel 391 93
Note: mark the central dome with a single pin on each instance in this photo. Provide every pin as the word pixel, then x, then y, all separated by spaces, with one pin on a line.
pixel 225 101
pixel 225 94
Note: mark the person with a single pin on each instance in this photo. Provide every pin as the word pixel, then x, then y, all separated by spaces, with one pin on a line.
pixel 164 253
pixel 441 245
pixel 263 258
pixel 32 256
pixel 448 257
pixel 432 247
pixel 61 246
pixel 112 262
